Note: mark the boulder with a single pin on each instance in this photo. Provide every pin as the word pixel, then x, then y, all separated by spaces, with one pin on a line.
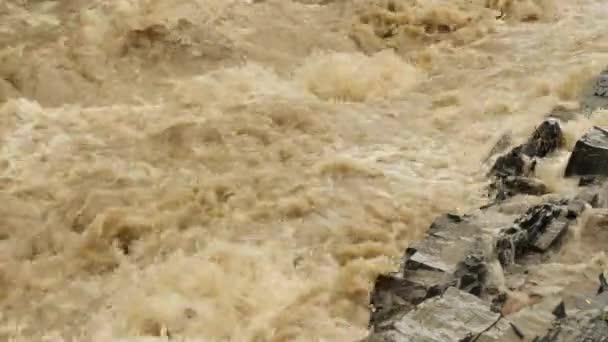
pixel 519 161
pixel 590 155
pixel 600 87
pixel 449 255
pixel 596 96
pixel 518 185
pixel 588 326
pixel 512 171
pixel 536 231
pixel 454 316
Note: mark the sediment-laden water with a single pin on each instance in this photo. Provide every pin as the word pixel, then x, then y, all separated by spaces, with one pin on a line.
pixel 225 170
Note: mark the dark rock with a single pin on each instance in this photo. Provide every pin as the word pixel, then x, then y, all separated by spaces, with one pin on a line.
pixel 512 171
pixel 520 161
pixel 392 294
pixel 603 284
pixel 537 230
pixel 560 311
pixel 471 274
pixel 455 316
pixel 595 97
pixel 601 85
pixel 589 180
pixel 514 185
pixel 588 327
pixel 575 209
pixel 590 155
pixel 498 302
pixel 514 163
pixel 448 256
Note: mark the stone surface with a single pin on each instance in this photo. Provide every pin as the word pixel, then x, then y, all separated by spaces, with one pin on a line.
pixel 536 231
pixel 515 185
pixel 512 170
pixel 449 255
pixel 600 87
pixel 587 327
pixel 590 155
pixel 454 316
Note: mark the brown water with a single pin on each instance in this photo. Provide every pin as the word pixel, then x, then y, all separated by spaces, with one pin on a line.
pixel 231 170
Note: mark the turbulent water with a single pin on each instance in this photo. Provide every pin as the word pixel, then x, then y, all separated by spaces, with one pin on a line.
pixel 231 170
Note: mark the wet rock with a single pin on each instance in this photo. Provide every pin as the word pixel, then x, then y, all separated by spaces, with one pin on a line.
pixel 514 185
pixel 536 231
pixel 393 294
pixel 448 256
pixel 603 284
pixel 512 170
pixel 590 155
pixel 471 274
pixel 600 87
pixel 560 311
pixel 596 97
pixel 455 316
pixel 587 327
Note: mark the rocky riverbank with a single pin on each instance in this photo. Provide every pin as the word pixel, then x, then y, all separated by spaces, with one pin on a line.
pixel 491 274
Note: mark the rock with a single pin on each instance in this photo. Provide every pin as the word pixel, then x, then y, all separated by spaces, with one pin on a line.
pixel 603 284
pixel 600 87
pixel 588 327
pixel 471 274
pixel 447 256
pixel 560 311
pixel 536 231
pixel 449 239
pixel 393 293
pixel 514 185
pixel 596 96
pixel 590 155
pixel 512 171
pixel 520 161
pixel 455 316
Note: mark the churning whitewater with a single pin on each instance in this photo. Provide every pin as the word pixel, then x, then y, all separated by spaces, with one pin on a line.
pixel 232 170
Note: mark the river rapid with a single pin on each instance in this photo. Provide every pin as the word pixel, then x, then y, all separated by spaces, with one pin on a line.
pixel 231 170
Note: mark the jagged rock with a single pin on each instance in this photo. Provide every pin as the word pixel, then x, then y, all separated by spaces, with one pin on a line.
pixel 560 311
pixel 514 185
pixel 454 316
pixel 596 195
pixel 537 230
pixel 512 170
pixel 393 294
pixel 448 256
pixel 601 85
pixel 520 161
pixel 588 327
pixel 596 96
pixel 590 155
pixel 603 284
pixel 471 274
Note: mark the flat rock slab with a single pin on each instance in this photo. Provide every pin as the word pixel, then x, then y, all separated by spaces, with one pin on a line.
pixel 590 155
pixel 454 316
pixel 448 240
